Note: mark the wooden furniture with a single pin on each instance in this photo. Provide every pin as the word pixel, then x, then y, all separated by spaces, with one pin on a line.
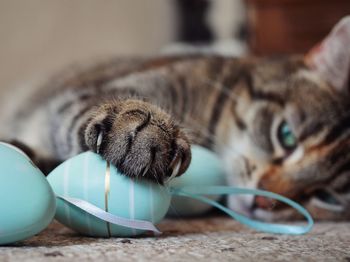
pixel 291 26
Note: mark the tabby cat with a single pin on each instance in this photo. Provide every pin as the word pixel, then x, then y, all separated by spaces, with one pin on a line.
pixel 278 124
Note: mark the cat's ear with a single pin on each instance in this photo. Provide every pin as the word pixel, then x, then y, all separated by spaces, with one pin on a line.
pixel 331 58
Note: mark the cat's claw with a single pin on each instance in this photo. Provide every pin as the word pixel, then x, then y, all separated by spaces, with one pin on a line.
pixel 175 172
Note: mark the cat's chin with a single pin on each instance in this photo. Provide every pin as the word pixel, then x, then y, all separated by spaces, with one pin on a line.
pixel 244 205
pixel 285 214
pixel 266 215
pixel 241 204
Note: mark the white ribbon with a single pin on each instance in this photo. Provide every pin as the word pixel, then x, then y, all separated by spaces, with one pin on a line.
pixel 108 217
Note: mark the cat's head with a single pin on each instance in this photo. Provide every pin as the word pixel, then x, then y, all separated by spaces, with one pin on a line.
pixel 291 131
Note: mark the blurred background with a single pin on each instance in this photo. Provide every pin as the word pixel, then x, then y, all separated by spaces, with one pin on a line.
pixel 40 36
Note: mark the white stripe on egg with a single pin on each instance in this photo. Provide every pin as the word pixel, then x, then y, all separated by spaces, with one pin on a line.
pixel 151 200
pixel 132 203
pixel 65 191
pixel 85 187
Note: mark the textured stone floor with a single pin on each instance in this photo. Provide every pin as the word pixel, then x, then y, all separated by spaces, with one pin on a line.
pixel 202 239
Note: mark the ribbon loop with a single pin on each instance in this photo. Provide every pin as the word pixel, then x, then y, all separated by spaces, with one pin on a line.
pixel 198 192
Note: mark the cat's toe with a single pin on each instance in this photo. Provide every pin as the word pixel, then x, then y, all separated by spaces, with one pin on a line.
pixel 154 153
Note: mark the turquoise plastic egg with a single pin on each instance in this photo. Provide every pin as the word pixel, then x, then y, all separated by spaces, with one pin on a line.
pixel 84 177
pixel 205 170
pixel 27 202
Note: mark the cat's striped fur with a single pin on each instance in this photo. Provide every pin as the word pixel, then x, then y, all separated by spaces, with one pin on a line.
pixel 149 111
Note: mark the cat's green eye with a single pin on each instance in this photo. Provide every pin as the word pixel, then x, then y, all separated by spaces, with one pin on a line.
pixel 286 136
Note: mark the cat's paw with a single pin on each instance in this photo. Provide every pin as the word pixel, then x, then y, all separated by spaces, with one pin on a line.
pixel 139 139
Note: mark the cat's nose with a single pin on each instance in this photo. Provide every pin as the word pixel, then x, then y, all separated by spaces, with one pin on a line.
pixel 264 202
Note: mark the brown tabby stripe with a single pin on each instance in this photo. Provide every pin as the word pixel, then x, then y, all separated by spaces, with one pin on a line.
pixel 343 168
pixel 215 68
pixel 345 188
pixel 227 87
pixel 340 158
pixel 338 155
pixel 248 167
pixel 337 130
pixel 177 90
pixel 81 135
pixel 278 161
pixel 310 130
pixel 185 97
pixel 214 74
pixel 265 119
pixel 73 123
pixel 77 100
pixel 238 120
pixel 261 95
pixel 174 99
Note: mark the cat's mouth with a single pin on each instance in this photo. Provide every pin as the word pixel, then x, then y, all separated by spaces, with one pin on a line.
pixel 269 210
